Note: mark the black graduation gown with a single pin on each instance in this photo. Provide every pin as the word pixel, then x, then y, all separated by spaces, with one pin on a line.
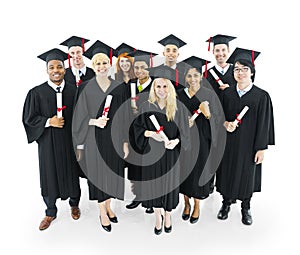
pixel 70 77
pixel 134 170
pixel 161 179
pixel 200 144
pixel 239 176
pixel 101 158
pixel 57 162
pixel 226 78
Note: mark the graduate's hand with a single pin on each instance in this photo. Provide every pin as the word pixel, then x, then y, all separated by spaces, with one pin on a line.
pixel 171 144
pixel 230 126
pixel 259 157
pixel 204 108
pixel 125 150
pixel 79 154
pixel 154 135
pixel 191 122
pixel 101 122
pixel 57 122
pixel 223 87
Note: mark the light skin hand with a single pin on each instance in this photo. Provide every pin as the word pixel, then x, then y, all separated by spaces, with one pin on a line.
pixel 57 122
pixel 259 157
pixel 223 87
pixel 230 126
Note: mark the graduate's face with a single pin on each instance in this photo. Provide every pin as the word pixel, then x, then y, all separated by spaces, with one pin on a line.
pixel 102 67
pixel 193 78
pixel 221 52
pixel 124 64
pixel 161 89
pixel 171 53
pixel 140 70
pixel 76 55
pixel 56 71
pixel 242 74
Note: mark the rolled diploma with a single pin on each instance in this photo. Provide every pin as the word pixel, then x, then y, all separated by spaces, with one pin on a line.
pixel 77 75
pixel 241 115
pixel 133 95
pixel 59 104
pixel 157 126
pixel 107 105
pixel 218 80
pixel 195 115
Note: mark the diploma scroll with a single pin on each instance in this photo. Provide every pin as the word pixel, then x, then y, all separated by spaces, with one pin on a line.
pixel 133 95
pixel 59 105
pixel 216 77
pixel 239 117
pixel 107 106
pixel 159 129
pixel 198 111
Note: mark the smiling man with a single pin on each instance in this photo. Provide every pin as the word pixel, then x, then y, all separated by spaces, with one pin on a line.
pixel 58 168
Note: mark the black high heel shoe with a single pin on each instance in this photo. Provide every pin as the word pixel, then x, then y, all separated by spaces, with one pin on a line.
pixel 168 229
pixel 158 231
pixel 193 220
pixel 113 219
pixel 185 216
pixel 106 228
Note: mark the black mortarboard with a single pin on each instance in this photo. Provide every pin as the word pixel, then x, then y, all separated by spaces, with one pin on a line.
pixel 162 72
pixel 172 39
pixel 220 39
pixel 123 48
pixel 239 53
pixel 141 55
pixel 75 41
pixel 192 62
pixel 54 54
pixel 99 47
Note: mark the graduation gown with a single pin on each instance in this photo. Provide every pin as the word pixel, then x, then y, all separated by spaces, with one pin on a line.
pixel 200 144
pixel 57 162
pixel 226 78
pixel 104 165
pixel 161 179
pixel 70 77
pixel 239 176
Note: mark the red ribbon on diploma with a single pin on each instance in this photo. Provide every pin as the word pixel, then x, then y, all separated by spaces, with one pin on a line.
pixel 135 98
pixel 217 80
pixel 161 128
pixel 105 110
pixel 79 82
pixel 60 109
pixel 238 120
pixel 197 111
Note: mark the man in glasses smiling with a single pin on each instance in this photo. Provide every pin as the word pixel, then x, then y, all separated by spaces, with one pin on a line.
pixel 239 175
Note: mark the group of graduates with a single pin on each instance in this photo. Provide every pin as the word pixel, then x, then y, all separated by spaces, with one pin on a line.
pixel 173 126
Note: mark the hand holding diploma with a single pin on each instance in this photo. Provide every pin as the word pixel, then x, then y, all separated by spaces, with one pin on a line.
pixel 204 108
pixel 231 126
pixel 133 95
pixel 159 129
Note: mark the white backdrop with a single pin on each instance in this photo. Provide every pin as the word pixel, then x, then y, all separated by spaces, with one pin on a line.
pixel 29 28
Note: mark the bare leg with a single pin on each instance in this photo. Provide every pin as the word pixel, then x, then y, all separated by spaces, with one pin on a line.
pixel 196 210
pixel 109 211
pixel 168 221
pixel 103 214
pixel 158 218
pixel 187 206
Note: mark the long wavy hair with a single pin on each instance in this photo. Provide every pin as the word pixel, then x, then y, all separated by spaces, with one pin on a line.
pixel 171 104
pixel 119 73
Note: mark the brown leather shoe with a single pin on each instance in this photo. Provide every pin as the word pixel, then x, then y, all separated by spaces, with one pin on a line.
pixel 45 223
pixel 75 212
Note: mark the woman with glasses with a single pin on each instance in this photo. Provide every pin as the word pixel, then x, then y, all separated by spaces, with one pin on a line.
pixel 239 175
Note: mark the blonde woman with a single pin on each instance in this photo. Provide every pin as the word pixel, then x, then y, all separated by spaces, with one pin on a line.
pixel 102 162
pixel 160 187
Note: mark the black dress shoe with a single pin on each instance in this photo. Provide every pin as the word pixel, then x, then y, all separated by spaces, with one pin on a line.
pixel 133 204
pixel 223 213
pixel 149 210
pixel 113 219
pixel 106 228
pixel 158 231
pixel 185 216
pixel 246 217
pixel 168 230
pixel 194 219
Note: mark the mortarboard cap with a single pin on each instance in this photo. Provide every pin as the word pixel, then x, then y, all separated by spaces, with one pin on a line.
pixel 162 72
pixel 220 39
pixel 141 55
pixel 99 47
pixel 239 53
pixel 75 41
pixel 123 48
pixel 54 54
pixel 172 39
pixel 192 62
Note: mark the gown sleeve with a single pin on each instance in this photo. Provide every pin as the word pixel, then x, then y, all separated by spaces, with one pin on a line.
pixel 33 122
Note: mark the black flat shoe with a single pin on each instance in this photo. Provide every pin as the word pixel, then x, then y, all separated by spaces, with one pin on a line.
pixel 133 204
pixel 223 213
pixel 193 220
pixel 185 216
pixel 149 210
pixel 113 219
pixel 159 231
pixel 246 217
pixel 106 228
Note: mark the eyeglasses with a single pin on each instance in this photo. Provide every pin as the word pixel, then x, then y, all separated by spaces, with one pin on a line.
pixel 243 69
